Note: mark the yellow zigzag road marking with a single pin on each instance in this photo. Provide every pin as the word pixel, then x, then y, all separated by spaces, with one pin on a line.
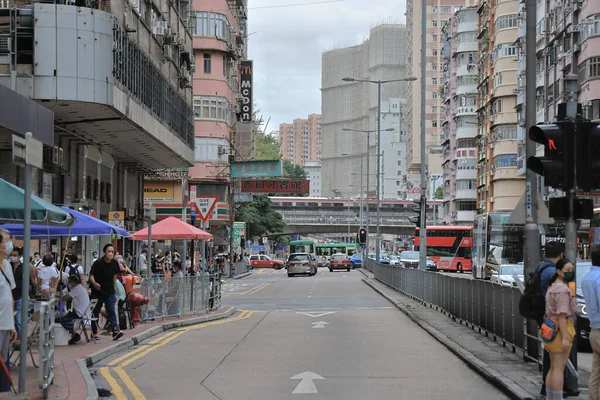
pixel 136 354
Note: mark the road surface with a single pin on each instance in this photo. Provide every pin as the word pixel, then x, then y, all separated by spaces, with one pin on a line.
pixel 324 337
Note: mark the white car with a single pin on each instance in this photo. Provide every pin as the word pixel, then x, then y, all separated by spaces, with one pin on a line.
pixel 505 275
pixel 394 260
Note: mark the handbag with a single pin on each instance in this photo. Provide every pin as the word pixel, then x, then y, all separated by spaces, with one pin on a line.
pixel 548 330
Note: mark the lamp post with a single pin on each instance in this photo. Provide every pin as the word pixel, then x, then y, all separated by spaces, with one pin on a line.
pixel 379 83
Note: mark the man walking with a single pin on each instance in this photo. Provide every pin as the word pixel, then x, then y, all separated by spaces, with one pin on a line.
pixel 8 333
pixel 591 293
pixel 103 282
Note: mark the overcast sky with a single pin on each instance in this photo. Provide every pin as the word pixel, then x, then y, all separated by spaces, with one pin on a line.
pixel 288 44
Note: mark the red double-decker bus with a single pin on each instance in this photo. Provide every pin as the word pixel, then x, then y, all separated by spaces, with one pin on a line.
pixel 449 246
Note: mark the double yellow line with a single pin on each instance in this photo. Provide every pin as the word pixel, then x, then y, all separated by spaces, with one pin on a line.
pixel 259 288
pixel 119 363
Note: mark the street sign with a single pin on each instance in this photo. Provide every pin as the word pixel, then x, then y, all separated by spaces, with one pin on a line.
pixel 206 205
pixel 117 218
pixel 27 151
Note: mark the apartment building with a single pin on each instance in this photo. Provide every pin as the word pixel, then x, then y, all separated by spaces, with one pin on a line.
pixel 437 17
pixel 498 186
pixel 459 125
pixel 300 141
pixel 354 106
pixel 313 174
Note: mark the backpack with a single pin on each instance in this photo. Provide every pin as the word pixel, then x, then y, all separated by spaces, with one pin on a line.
pixel 532 304
pixel 74 270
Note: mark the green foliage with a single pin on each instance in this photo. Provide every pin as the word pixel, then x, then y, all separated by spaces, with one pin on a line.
pixel 439 193
pixel 293 171
pixel 260 218
pixel 284 239
pixel 267 147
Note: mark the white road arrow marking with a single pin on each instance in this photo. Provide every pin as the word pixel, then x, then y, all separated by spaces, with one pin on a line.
pixel 306 385
pixel 320 324
pixel 315 314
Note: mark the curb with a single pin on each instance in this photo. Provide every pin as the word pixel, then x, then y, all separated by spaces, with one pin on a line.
pixel 87 361
pixel 240 276
pixel 509 387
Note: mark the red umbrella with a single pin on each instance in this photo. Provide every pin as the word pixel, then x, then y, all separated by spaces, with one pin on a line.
pixel 7 374
pixel 172 229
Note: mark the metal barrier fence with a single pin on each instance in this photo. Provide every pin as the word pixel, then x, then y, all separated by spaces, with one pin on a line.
pixel 46 364
pixel 179 296
pixel 492 309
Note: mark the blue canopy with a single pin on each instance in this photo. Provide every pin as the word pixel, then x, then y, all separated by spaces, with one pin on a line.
pixel 84 225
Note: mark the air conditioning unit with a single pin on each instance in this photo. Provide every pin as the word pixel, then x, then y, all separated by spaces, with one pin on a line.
pixel 160 28
pixel 168 52
pixel 53 156
pixel 221 150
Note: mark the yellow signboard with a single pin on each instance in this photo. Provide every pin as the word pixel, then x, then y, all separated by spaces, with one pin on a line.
pixel 159 192
pixel 116 215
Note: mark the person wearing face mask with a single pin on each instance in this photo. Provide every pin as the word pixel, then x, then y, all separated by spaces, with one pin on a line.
pixel 8 333
pixel 561 306
pixel 17 268
pixel 80 303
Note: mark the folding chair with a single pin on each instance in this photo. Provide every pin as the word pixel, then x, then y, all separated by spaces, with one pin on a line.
pixel 33 328
pixel 87 318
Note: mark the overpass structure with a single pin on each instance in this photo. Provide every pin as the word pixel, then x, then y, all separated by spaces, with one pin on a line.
pixel 305 227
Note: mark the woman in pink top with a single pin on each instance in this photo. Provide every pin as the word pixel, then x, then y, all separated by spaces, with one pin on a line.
pixel 561 306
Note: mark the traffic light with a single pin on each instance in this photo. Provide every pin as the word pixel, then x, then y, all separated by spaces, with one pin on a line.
pixel 362 236
pixel 588 156
pixel 418 209
pixel 557 165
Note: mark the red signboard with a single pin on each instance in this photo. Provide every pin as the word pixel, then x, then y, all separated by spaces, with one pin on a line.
pixel 276 186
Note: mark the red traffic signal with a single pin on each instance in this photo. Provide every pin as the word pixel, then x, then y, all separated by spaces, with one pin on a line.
pixel 557 163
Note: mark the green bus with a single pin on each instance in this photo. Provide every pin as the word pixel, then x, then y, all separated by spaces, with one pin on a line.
pixel 302 246
pixel 329 249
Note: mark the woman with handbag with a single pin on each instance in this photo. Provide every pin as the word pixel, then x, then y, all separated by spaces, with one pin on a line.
pixel 558 330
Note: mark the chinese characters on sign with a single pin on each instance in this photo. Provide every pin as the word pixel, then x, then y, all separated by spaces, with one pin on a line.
pixel 276 186
pixel 256 169
pixel 246 83
pixel 205 206
pixel 168 174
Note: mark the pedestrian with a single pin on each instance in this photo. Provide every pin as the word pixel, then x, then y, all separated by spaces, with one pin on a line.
pixel 74 268
pixel 554 251
pixel 94 258
pixel 103 281
pixel 591 293
pixel 143 263
pixel 80 301
pixel 8 334
pixel 17 270
pixel 561 306
pixel 47 277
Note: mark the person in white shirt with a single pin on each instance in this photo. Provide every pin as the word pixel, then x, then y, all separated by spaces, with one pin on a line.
pixel 8 333
pixel 81 301
pixel 143 263
pixel 47 276
pixel 75 268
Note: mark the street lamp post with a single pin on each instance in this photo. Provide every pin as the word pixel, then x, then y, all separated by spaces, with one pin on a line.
pixel 379 83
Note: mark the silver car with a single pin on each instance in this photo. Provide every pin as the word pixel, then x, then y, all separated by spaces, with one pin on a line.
pixel 301 263
pixel 505 274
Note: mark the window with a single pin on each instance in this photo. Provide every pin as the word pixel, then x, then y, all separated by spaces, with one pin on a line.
pixel 504 50
pixel 466 37
pixel 446 9
pixel 435 38
pixel 465 205
pixel 434 9
pixel 434 109
pixel 505 160
pixel 434 95
pixel 225 66
pixel 497 79
pixel 434 124
pixel 213 108
pixel 434 81
pixel 498 105
pixel 466 80
pixel 434 52
pixel 506 21
pixel 434 66
pixel 504 132
pixel 207 63
pixel 212 24
pixel 434 23
pixel 465 184
pixel 397 183
pixel 466 143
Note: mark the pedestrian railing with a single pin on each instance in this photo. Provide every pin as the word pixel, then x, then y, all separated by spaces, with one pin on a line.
pixel 179 296
pixel 490 308
pixel 46 363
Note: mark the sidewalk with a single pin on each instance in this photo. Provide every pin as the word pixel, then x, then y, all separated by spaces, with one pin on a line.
pixel 490 359
pixel 71 379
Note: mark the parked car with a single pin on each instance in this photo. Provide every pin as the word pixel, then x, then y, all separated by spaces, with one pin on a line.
pixel 394 260
pixel 504 275
pixel 340 261
pixel 430 264
pixel 301 263
pixel 384 258
pixel 583 322
pixel 263 261
pixel 409 259
pixel 356 260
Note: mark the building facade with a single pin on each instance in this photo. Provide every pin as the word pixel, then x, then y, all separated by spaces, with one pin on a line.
pixel 437 16
pixel 354 106
pixel 300 141
pixel 119 85
pixel 313 174
pixel 498 186
pixel 459 125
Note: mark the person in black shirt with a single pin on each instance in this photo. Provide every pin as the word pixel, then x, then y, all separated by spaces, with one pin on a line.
pixel 103 281
pixel 15 261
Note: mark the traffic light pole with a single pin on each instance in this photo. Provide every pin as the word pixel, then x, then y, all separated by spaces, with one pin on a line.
pixel 423 230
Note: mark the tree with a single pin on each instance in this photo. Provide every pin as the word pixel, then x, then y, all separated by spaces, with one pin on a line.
pixel 439 193
pixel 267 147
pixel 259 217
pixel 293 171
